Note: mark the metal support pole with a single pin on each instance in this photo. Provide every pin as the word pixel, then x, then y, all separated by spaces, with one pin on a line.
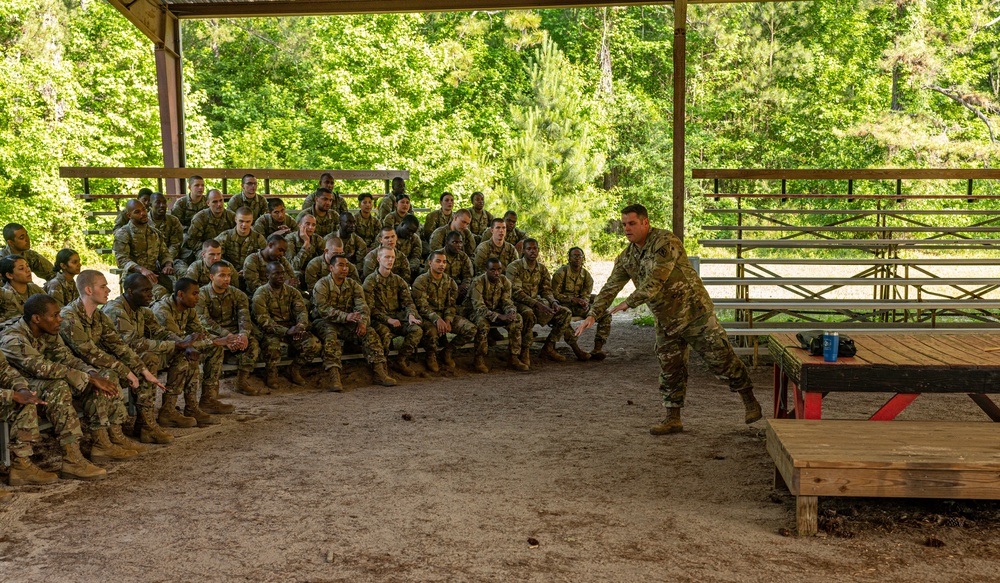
pixel 680 52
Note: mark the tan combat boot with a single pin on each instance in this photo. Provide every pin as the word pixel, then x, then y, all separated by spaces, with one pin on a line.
pixel 295 375
pixel 23 472
pixel 581 354
pixel 103 450
pixel 270 378
pixel 210 402
pixel 752 406
pixel 448 355
pixel 333 383
pixel 479 364
pixel 243 384
pixel 77 467
pixel 118 438
pixel 549 352
pixel 382 375
pixel 192 410
pixel 598 352
pixel 431 362
pixel 170 417
pixel 525 357
pixel 6 497
pixel 516 364
pixel 150 431
pixel 402 365
pixel 672 424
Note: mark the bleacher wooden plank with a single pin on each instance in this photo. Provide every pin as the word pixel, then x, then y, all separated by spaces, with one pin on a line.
pixel 873 261
pixel 849 229
pixel 802 196
pixel 805 243
pixel 847 174
pixel 875 212
pixel 779 304
pixel 228 173
pixel 850 281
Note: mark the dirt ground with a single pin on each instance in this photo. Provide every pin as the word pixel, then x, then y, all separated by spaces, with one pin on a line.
pixel 451 478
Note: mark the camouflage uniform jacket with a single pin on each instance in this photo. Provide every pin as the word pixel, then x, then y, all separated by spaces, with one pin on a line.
pixel 11 381
pixel 185 209
pixel 435 299
pixel 333 303
pixel 31 290
pixel 387 296
pixel 63 290
pixel 481 221
pixel 180 322
pixel 46 357
pixel 200 272
pixel 257 204
pixel 386 206
pixel 567 285
pixel 39 265
pixel 433 220
pixel 277 311
pixel 401 267
pixel 317 268
pixel 11 305
pixel 172 232
pixel 224 313
pixel 265 225
pixel 438 239
pixel 301 254
pixel 139 328
pixel 411 247
pixel 205 226
pixel 94 339
pixel 663 278
pixel 255 270
pixel 353 246
pixel 339 204
pixel 489 300
pixel 367 229
pixel 513 237
pixel 529 284
pixel 459 268
pixel 324 225
pixel 507 254
pixel 236 248
pixel 393 219
pixel 138 246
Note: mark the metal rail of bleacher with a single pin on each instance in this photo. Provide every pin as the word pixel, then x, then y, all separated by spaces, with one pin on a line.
pixel 884 234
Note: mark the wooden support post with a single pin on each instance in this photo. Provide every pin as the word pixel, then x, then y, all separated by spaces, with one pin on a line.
pixel 170 89
pixel 807 515
pixel 680 54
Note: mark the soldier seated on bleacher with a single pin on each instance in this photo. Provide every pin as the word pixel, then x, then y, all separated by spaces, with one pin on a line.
pixel 16 277
pixel 19 243
pixel 62 286
pixel 122 218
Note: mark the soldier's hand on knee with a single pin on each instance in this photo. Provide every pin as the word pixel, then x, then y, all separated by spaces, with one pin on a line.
pixel 413 319
pixel 393 322
pixel 26 397
pixel 106 387
pixel 442 325
pixel 361 330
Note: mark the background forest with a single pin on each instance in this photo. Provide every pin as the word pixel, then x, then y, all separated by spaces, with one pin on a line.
pixel 564 114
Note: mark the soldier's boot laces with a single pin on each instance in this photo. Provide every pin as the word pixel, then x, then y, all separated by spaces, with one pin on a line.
pixel 295 375
pixel 403 366
pixel 672 424
pixel 6 497
pixel 581 354
pixel 333 383
pixel 549 352
pixel 270 379
pixel 598 352
pixel 431 361
pixel 170 417
pixel 752 406
pixel 23 472
pixel 118 438
pixel 382 375
pixel 103 450
pixel 479 364
pixel 210 402
pixel 192 410
pixel 516 364
pixel 77 467
pixel 525 357
pixel 448 356
pixel 151 432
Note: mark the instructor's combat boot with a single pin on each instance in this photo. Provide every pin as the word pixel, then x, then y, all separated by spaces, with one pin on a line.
pixel 150 431
pixel 103 450
pixel 598 352
pixel 333 383
pixel 23 472
pixel 752 406
pixel 170 417
pixel 382 375
pixel 672 424
pixel 549 352
pixel 118 438
pixel 77 467
pixel 479 364
pixel 295 375
pixel 448 356
pixel 210 402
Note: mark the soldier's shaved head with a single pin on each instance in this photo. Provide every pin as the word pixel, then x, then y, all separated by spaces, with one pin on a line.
pixel 463 213
pixel 220 265
pixel 244 211
pixel 211 244
pixel 334 243
pixel 89 278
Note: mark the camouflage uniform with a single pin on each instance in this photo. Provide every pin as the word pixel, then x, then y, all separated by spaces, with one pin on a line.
pixel 318 268
pixel 393 220
pixel 439 238
pixel 567 285
pixel 39 265
pixel 367 229
pixel 412 248
pixel 185 209
pixel 172 232
pixel 236 248
pixel 339 204
pixel 138 246
pixel 63 290
pixel 487 301
pixel 480 222
pixel 156 346
pixel 386 206
pixel 23 419
pixel 257 204
pixel 31 290
pixel 355 247
pixel 224 314
pixel 324 225
pixel 433 221
pixel 205 226
pixel 265 225
pixel 389 297
pixel 486 250
pixel 300 255
pixel 401 267
pixel 182 323
pixel 332 304
pixel 666 282
pixel 276 312
pixel 200 272
pixel 57 376
pixel 11 305
pixel 529 285
pixel 255 271
pixel 437 299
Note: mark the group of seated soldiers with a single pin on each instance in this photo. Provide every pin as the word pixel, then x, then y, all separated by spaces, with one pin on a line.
pixel 202 280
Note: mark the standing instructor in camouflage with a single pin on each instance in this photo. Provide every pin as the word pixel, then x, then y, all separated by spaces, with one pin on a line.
pixel 664 279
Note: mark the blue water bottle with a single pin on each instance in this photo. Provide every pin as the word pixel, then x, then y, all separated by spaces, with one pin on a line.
pixel 831 343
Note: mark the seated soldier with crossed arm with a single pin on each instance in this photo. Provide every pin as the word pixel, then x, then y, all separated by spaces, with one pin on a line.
pixel 393 311
pixel 481 219
pixel 436 295
pixel 489 304
pixel 170 229
pixel 282 316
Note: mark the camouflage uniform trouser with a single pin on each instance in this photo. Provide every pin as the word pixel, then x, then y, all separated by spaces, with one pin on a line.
pixel 708 338
pixel 334 335
pixel 483 325
pixel 303 350
pixel 463 330
pixel 411 333
pixel 245 362
pixel 603 323
pixel 23 421
pixel 211 364
pixel 182 376
pixel 98 410
pixel 559 322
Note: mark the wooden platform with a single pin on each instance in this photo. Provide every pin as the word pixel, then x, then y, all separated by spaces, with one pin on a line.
pixel 913 459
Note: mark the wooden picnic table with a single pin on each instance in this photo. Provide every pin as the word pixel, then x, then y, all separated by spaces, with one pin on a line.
pixel 906 365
